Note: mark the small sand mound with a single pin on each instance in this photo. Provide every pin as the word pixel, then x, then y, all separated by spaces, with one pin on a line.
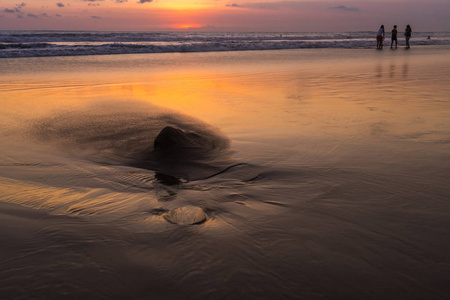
pixel 186 215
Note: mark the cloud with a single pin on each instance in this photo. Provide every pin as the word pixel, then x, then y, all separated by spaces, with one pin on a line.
pixel 205 27
pixel 121 1
pixel 16 9
pixel 19 6
pixel 96 17
pixel 144 1
pixel 59 4
pixel 277 5
pixel 58 15
pixel 32 16
pixel 233 5
pixel 345 8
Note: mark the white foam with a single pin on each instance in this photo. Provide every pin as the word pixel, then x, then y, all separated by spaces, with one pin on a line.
pixel 45 43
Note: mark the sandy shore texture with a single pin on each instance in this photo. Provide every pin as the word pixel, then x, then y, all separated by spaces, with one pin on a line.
pixel 311 174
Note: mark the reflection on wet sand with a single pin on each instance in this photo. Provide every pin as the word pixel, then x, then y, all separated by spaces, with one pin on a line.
pixel 277 175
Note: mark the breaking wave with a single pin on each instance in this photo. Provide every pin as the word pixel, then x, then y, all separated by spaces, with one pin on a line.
pixel 50 43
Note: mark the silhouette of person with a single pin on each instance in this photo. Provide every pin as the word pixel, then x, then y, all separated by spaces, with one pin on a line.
pixel 407 35
pixel 380 37
pixel 394 36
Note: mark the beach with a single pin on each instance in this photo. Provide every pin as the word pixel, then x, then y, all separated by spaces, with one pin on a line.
pixel 328 177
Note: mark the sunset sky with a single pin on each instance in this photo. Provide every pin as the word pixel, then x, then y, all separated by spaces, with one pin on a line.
pixel 224 15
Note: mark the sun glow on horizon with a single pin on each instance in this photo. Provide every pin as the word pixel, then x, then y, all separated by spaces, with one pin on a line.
pixel 249 15
pixel 187 26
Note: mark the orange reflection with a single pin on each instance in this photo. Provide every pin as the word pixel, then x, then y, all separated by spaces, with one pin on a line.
pixel 275 94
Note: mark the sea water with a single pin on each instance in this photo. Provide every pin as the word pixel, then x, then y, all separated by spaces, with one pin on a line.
pixel 62 43
pixel 332 183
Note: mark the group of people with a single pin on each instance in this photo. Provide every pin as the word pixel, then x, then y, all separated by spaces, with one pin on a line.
pixel 381 33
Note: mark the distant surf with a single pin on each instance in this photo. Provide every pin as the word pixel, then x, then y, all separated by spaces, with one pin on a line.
pixel 68 43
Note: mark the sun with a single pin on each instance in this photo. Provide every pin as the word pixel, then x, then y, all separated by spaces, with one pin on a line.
pixel 186 26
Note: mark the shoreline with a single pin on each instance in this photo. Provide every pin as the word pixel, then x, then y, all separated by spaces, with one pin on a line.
pixel 385 47
pixel 339 190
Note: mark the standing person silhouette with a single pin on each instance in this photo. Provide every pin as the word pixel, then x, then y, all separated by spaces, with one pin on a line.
pixel 380 37
pixel 394 36
pixel 407 35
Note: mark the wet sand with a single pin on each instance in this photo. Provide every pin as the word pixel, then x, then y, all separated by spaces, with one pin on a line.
pixel 334 184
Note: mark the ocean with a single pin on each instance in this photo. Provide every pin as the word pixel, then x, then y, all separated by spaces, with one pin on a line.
pixel 304 173
pixel 62 43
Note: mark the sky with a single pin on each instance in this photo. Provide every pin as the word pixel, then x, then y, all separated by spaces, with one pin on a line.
pixel 224 15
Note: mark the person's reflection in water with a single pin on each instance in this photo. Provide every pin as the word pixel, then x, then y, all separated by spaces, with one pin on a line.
pixel 392 70
pixel 405 70
pixel 379 71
